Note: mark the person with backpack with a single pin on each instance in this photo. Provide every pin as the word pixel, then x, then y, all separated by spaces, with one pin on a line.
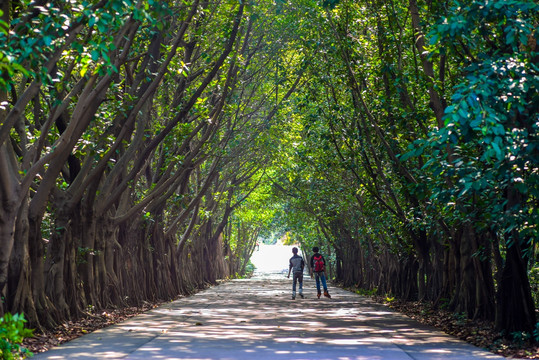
pixel 318 267
pixel 297 264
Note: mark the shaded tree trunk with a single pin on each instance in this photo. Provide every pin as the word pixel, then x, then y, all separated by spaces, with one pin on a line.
pixel 515 308
pixel 47 314
pixel 474 293
pixel 20 271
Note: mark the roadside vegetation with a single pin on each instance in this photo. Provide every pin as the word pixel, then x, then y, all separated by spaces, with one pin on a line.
pixel 145 148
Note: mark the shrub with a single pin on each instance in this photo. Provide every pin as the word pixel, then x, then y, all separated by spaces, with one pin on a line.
pixel 12 333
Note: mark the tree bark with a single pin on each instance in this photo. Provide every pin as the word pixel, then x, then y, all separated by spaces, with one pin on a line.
pixel 515 310
pixel 10 202
pixel 474 294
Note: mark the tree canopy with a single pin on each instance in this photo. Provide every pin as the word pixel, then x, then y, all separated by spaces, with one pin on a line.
pixel 145 147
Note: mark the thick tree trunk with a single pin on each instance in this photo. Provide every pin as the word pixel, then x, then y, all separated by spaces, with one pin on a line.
pixel 515 308
pixel 113 257
pixel 19 299
pixel 352 259
pixel 100 268
pixel 7 229
pixel 9 203
pixel 338 266
pixel 474 294
pixel 449 271
pixel 86 255
pixel 439 252
pixel 54 266
pixel 74 295
pixel 161 271
pixel 409 289
pixel 9 192
pixel 48 316
pixel 422 249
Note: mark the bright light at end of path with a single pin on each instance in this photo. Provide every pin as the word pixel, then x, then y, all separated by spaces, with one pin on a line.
pixel 272 258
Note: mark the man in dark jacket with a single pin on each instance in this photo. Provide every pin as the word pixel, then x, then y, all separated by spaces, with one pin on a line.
pixel 297 264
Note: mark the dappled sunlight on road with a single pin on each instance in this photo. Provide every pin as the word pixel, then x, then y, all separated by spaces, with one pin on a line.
pixel 260 321
pixel 256 319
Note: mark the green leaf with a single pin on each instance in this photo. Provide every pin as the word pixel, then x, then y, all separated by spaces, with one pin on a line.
pixel 95 55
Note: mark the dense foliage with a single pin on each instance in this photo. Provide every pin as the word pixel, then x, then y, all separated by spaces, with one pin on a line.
pixel 146 146
pixel 417 166
pixel 130 133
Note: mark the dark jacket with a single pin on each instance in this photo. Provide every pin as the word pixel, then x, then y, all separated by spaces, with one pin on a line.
pixel 297 263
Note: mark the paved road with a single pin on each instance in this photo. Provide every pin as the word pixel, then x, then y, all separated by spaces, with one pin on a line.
pixel 256 319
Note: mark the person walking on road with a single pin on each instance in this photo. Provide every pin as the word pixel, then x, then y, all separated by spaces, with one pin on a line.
pixel 318 267
pixel 297 264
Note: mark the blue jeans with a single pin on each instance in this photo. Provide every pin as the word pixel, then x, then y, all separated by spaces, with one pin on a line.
pixel 320 276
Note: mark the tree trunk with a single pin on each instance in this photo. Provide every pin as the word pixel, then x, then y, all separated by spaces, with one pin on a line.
pixel 87 256
pixel 516 309
pixel 20 298
pixel 54 266
pixel 422 250
pixel 475 291
pixel 48 316
pixel 9 198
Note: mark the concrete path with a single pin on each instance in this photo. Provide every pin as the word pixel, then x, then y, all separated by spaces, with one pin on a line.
pixel 256 319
